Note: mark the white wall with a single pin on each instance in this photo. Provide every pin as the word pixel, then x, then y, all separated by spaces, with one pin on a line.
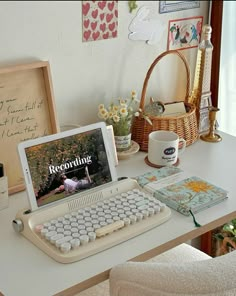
pixel 86 74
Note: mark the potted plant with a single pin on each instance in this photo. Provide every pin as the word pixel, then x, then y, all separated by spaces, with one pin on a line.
pixel 120 115
pixel 227 237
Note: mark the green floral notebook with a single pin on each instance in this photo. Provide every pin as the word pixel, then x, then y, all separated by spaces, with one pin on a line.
pixel 180 192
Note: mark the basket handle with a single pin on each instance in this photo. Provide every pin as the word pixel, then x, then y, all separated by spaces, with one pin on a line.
pixel 143 95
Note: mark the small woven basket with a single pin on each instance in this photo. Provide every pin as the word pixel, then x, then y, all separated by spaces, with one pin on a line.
pixel 186 125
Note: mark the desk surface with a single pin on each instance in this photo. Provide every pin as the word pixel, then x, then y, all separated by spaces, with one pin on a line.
pixel 26 270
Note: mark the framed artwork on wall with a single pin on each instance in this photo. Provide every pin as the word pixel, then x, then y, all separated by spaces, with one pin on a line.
pixel 170 6
pixel 184 33
pixel 99 20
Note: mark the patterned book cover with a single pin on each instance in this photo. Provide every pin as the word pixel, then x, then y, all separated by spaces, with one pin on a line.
pixel 181 192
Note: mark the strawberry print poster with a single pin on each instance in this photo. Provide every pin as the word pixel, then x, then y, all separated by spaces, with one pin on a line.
pixel 100 20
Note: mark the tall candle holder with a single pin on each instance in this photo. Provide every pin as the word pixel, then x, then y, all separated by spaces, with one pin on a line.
pixel 211 136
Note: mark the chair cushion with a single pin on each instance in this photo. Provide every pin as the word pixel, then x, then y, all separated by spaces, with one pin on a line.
pixel 173 255
pixel 211 277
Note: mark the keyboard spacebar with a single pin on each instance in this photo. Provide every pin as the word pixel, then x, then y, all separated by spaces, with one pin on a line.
pixel 109 228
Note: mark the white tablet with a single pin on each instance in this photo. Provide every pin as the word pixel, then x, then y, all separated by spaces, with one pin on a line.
pixel 58 166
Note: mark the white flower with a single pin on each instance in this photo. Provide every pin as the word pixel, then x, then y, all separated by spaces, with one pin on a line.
pixel 101 106
pixel 123 112
pixel 116 118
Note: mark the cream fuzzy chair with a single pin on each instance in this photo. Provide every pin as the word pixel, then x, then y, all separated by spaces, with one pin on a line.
pixel 182 271
pixel 171 275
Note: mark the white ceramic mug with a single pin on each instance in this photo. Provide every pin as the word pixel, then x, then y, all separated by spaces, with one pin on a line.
pixel 164 147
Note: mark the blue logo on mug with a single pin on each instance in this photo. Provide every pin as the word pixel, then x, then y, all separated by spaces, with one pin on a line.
pixel 169 151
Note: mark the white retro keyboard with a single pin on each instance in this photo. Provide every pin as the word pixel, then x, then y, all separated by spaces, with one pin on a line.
pixel 91 223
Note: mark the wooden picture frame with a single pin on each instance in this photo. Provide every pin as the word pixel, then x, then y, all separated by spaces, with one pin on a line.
pixel 171 6
pixel 27 111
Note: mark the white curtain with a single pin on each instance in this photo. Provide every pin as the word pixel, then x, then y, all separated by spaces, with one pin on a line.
pixel 226 117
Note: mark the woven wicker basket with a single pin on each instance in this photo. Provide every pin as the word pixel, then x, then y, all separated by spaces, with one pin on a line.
pixel 185 125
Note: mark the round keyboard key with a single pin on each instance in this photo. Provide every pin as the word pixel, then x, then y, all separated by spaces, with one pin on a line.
pixel 68 216
pixel 87 219
pixel 125 204
pixel 145 213
pixel 107 216
pixel 139 216
pixel 60 230
pixel 82 232
pixel 92 212
pixel 133 218
pixel 126 221
pixel 100 204
pixel 124 194
pixel 139 198
pixel 87 209
pixel 120 211
pixel 95 216
pixel 72 219
pixel 73 214
pixel 99 209
pixel 163 206
pixel 117 202
pixel 79 217
pixel 92 236
pixel 43 232
pixel 63 240
pixel 103 223
pixel 107 211
pixel 53 222
pixel 52 228
pixel 65 248
pixel 67 232
pixel 96 226
pixel 67 227
pixel 66 222
pixel 122 216
pixel 84 239
pixel 109 221
pixel 116 218
pixel 81 222
pixel 151 211
pixel 38 228
pixel 126 209
pixel 88 224
pixel 49 234
pixel 74 224
pixel 75 243
pixel 46 224
pixel 157 208
pixel 89 229
pixel 134 211
pixel 75 235
pixel 101 219
pixel 95 221
pixel 74 230
pixel 101 214
pixel 59 224
pixel 56 237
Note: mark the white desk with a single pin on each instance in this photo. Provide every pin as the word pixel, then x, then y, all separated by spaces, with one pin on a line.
pixel 27 271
